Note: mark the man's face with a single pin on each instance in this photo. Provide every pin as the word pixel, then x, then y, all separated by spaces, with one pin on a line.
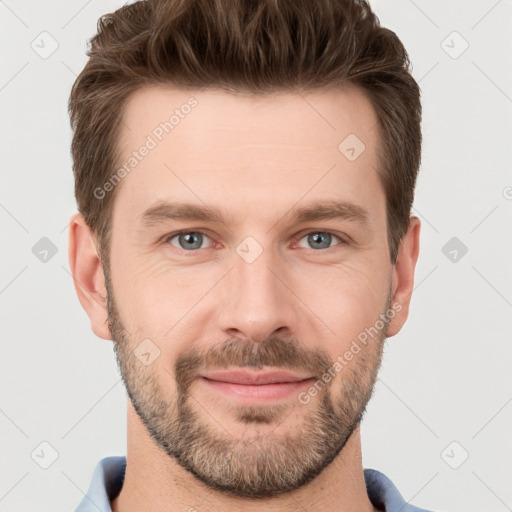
pixel 257 289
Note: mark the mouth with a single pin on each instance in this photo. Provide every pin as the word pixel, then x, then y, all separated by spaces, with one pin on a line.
pixel 255 378
pixel 256 386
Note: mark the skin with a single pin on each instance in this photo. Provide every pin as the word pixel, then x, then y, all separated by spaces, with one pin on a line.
pixel 295 306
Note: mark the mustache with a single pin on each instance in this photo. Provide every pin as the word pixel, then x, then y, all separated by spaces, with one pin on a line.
pixel 274 352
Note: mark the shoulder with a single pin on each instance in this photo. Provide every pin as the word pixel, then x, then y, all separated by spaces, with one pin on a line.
pixel 106 483
pixel 384 495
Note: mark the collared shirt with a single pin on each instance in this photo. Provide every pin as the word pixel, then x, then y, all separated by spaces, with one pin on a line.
pixel 108 477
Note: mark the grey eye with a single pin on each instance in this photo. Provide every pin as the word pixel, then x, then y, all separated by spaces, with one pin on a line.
pixel 319 239
pixel 188 240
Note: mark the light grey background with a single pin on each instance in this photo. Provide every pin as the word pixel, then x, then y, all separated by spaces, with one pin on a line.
pixel 445 378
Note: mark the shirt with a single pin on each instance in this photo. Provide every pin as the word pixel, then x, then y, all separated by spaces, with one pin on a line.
pixel 108 476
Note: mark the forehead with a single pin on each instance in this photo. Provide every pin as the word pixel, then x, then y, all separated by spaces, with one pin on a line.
pixel 236 150
pixel 220 117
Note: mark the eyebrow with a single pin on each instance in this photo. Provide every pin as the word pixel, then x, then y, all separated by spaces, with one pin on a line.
pixel 320 210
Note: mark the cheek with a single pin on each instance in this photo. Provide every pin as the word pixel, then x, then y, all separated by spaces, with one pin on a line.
pixel 158 301
pixel 348 299
pixel 155 300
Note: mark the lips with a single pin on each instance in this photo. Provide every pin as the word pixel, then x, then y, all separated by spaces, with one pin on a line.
pixel 255 378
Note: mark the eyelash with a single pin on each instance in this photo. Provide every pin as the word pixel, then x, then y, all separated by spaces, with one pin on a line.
pixel 342 240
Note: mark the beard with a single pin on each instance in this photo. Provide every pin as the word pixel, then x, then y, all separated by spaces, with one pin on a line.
pixel 261 463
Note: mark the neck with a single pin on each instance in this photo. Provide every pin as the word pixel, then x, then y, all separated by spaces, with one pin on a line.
pixel 154 481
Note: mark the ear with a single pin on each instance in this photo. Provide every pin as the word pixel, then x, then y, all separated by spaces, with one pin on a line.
pixel 87 271
pixel 403 276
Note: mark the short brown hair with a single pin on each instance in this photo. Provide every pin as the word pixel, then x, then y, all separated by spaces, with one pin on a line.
pixel 257 46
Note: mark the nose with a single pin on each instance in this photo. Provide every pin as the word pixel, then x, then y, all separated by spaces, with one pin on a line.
pixel 257 302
